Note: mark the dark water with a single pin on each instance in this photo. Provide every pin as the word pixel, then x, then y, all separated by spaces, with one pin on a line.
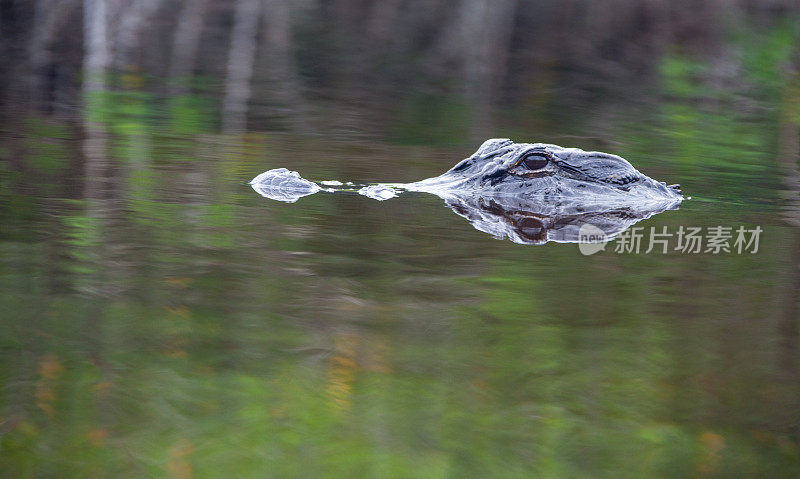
pixel 162 319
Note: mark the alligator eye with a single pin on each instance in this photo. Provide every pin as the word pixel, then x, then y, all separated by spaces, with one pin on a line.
pixel 534 162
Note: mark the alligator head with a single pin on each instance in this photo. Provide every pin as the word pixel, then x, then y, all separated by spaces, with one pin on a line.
pixel 501 167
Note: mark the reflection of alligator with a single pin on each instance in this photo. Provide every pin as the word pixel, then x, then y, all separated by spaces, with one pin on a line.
pixel 528 192
pixel 535 222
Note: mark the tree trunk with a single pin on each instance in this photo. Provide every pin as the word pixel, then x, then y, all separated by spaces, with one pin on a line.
pixel 480 39
pixel 241 58
pixel 279 58
pixel 186 43
pixel 95 64
pixel 49 17
pixel 129 31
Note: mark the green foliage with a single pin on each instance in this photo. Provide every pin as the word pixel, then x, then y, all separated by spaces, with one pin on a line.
pixel 190 115
pixel 708 136
pixel 766 54
pixel 681 76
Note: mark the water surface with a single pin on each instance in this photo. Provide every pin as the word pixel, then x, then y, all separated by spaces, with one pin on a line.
pixel 164 317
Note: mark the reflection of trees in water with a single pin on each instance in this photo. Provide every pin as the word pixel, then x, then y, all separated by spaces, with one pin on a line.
pixel 371 55
pixel 385 333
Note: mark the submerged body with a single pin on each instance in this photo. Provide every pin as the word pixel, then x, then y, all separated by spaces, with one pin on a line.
pixel 527 192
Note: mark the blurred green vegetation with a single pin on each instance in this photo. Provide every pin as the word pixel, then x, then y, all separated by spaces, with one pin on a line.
pixel 531 361
pixel 179 326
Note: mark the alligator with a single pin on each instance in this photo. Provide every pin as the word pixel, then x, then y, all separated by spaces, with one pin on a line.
pixel 530 193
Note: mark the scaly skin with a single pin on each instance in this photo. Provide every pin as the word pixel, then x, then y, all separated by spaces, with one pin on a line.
pixel 501 167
